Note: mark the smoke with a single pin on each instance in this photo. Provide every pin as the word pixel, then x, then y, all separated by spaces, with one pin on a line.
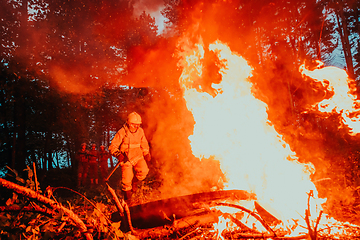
pixel 153 8
pixel 170 124
pixel 88 63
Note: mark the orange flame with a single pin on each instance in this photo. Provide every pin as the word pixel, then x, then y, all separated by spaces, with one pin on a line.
pixel 232 127
pixel 343 101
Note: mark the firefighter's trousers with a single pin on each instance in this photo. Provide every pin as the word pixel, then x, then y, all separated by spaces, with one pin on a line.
pixel 127 169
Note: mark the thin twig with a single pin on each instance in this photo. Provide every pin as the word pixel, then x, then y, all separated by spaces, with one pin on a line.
pixel 317 221
pixel 92 204
pixel 188 234
pixel 35 178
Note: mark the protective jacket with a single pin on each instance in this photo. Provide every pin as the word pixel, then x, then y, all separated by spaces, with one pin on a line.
pixel 104 156
pixel 93 156
pixel 133 145
pixel 82 156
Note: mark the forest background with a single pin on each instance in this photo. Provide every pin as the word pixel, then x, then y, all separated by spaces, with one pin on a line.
pixel 71 72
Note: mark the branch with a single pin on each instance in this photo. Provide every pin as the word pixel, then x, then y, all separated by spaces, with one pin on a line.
pixel 266 236
pixel 267 227
pixel 121 208
pixel 35 209
pixel 37 196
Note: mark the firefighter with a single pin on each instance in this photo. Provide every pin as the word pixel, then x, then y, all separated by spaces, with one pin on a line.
pixel 103 162
pixel 82 158
pixel 131 148
pixel 93 164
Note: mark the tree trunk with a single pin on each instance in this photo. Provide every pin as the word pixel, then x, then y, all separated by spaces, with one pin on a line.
pixel 47 164
pixel 19 136
pixel 108 144
pixel 344 36
pixel 70 154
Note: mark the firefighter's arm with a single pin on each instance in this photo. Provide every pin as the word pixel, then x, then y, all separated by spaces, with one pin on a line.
pixel 147 157
pixel 145 148
pixel 114 147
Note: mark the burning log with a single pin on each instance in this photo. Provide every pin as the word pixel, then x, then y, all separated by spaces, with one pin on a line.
pixel 265 236
pixel 266 216
pixel 239 223
pixel 263 222
pixel 198 224
pixel 165 211
pixel 164 217
pixel 177 226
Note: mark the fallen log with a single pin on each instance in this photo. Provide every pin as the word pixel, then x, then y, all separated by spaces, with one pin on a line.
pixel 34 208
pixel 178 225
pixel 166 211
pixel 265 236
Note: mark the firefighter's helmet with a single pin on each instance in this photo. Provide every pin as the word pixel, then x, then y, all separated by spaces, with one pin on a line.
pixel 134 118
pixel 83 144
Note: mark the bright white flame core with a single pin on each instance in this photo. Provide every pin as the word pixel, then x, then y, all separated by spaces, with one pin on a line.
pixel 233 127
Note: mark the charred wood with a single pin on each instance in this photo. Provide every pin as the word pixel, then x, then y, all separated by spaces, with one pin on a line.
pixel 266 216
pixel 266 236
pixel 177 226
pixel 166 211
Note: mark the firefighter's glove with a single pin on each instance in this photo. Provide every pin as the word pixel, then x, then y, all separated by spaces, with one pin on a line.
pixel 147 157
pixel 119 156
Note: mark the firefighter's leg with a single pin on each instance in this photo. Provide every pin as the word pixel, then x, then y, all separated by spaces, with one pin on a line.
pixel 80 174
pixel 141 170
pixel 127 176
pixel 104 172
pixel 85 174
pixel 92 173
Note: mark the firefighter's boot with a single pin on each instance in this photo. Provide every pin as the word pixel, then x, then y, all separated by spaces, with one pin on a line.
pixel 137 186
pixel 127 196
pixel 96 181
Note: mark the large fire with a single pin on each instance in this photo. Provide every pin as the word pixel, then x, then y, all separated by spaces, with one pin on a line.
pixel 232 126
pixel 343 100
